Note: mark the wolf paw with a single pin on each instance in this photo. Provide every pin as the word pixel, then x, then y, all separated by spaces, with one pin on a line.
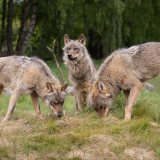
pixel 40 117
pixel 5 119
pixel 126 120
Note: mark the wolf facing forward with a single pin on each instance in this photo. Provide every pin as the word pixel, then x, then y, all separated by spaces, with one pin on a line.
pixel 31 76
pixel 124 69
pixel 80 67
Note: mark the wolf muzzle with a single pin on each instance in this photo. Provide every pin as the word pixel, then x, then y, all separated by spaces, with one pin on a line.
pixel 59 115
pixel 71 58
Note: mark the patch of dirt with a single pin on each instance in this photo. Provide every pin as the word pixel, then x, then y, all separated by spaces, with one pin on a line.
pixel 67 135
pixel 83 154
pixel 97 149
pixel 92 154
pixel 140 154
pixel 154 124
pixel 52 155
pixel 110 155
pixel 102 139
pixel 4 141
pixel 111 120
pixel 30 156
pixel 16 127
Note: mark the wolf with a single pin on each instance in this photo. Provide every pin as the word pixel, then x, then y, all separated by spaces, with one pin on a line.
pixel 125 69
pixel 80 67
pixel 31 76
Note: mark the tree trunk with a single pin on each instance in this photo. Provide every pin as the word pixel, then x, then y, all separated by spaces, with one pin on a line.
pixel 23 27
pixel 9 28
pixel 2 38
pixel 29 32
pixel 42 46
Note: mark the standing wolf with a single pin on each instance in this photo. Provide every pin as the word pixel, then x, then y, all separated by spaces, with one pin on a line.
pixel 80 67
pixel 31 76
pixel 124 69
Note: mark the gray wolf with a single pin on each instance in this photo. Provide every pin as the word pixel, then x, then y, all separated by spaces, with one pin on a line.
pixel 80 67
pixel 124 69
pixel 31 76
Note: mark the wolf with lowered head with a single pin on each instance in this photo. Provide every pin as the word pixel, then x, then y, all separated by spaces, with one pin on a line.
pixel 31 76
pixel 80 67
pixel 124 69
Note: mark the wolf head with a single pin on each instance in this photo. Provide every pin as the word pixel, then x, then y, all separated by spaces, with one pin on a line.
pixel 55 97
pixel 99 98
pixel 74 49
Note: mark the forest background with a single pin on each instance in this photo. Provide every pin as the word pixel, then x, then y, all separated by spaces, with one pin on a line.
pixel 28 26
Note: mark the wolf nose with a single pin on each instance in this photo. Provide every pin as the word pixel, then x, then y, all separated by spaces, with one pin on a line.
pixel 59 115
pixel 69 55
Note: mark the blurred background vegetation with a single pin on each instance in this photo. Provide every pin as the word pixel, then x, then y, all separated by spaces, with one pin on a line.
pixel 28 26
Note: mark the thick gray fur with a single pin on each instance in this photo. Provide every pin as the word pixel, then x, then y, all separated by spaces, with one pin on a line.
pixel 26 75
pixel 80 70
pixel 125 69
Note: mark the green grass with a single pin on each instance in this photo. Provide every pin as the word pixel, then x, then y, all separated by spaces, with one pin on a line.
pixel 4 152
pixel 81 134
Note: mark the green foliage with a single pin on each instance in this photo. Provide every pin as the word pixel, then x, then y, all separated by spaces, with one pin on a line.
pixel 118 106
pixel 140 126
pixel 107 25
pixel 4 152
pixel 52 128
pixel 21 99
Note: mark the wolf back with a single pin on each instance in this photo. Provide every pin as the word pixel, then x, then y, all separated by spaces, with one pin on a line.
pixel 31 76
pixel 124 69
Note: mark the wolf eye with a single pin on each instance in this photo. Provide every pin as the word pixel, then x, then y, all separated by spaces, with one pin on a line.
pixel 68 48
pixel 75 48
pixel 53 103
pixel 62 102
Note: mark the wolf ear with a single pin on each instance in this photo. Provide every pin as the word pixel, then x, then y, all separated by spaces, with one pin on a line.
pixel 101 86
pixel 82 39
pixel 66 39
pixel 49 87
pixel 88 86
pixel 102 89
pixel 64 87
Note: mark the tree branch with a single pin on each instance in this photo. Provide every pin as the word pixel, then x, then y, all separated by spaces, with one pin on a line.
pixel 52 50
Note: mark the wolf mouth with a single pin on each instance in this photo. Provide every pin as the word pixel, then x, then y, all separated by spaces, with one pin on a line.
pixel 72 59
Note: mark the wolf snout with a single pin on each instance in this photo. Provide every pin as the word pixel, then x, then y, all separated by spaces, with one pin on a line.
pixel 59 115
pixel 69 55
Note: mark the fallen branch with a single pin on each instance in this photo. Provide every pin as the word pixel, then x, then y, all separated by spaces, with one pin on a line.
pixel 52 50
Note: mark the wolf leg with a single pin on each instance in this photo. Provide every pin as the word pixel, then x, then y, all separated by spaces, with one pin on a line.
pixel 13 100
pixel 126 95
pixel 82 99
pixel 1 89
pixel 134 92
pixel 76 101
pixel 35 101
pixel 106 111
